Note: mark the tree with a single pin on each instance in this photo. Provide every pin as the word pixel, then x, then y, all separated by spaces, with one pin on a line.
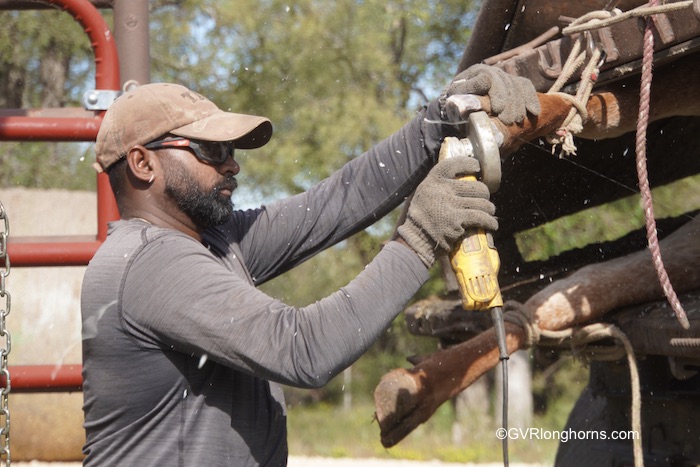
pixel 43 57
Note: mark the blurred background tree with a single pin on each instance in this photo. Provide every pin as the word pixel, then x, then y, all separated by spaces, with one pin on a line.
pixel 45 61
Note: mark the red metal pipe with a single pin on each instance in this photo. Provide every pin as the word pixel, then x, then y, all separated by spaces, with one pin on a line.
pixel 44 378
pixel 49 129
pixel 103 45
pixel 52 253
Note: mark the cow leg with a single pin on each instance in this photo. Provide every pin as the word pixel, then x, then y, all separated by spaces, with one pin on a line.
pixel 613 110
pixel 405 398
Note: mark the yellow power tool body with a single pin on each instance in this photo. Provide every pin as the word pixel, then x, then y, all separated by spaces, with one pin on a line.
pixel 475 261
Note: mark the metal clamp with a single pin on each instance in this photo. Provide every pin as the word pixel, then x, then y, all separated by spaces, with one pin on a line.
pixel 99 99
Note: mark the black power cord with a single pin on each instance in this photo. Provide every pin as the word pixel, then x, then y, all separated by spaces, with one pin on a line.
pixel 499 327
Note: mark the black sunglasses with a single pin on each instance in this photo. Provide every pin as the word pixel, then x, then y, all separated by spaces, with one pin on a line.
pixel 212 152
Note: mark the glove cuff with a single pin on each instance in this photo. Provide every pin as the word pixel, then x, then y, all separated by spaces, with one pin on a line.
pixel 419 243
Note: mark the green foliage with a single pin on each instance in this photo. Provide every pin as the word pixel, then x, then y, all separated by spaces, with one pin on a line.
pixel 65 166
pixel 607 222
pixel 44 57
pixel 45 62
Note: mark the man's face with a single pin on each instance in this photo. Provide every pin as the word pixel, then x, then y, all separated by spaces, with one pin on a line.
pixel 207 206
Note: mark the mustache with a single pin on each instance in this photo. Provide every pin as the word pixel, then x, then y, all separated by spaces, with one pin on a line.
pixel 228 183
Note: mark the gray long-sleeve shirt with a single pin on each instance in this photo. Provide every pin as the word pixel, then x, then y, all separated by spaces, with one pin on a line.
pixel 182 353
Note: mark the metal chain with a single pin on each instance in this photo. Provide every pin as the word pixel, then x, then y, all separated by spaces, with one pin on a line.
pixel 4 351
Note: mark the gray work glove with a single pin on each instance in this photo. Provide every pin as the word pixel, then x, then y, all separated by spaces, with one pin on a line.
pixel 443 207
pixel 512 97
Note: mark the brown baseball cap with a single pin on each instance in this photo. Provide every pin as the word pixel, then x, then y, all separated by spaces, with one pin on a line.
pixel 150 111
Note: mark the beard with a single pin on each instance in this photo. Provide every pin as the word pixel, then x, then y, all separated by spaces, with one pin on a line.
pixel 206 208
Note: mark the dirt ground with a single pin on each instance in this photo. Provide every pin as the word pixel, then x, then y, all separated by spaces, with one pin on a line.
pixel 323 462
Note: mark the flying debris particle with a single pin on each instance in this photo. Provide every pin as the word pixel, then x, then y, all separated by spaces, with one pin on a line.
pixel 382 164
pixel 202 360
pixel 184 394
pixel 507 26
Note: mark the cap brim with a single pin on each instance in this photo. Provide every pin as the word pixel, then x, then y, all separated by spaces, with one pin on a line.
pixel 248 131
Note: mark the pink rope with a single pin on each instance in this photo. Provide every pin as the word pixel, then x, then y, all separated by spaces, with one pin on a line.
pixel 641 138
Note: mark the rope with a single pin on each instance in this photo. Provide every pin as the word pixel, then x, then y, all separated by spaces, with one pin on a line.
pixel 645 190
pixel 603 19
pixel 584 24
pixel 579 340
pixel 573 123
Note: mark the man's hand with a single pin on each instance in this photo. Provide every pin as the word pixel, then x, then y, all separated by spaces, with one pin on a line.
pixel 512 97
pixel 443 207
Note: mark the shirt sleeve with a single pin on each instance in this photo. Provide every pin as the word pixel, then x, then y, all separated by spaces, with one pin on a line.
pixel 277 237
pixel 203 309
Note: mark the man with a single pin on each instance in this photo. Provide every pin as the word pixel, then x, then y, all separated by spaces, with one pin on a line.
pixel 182 355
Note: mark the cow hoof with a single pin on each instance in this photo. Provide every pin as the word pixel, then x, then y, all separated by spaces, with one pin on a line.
pixel 395 397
